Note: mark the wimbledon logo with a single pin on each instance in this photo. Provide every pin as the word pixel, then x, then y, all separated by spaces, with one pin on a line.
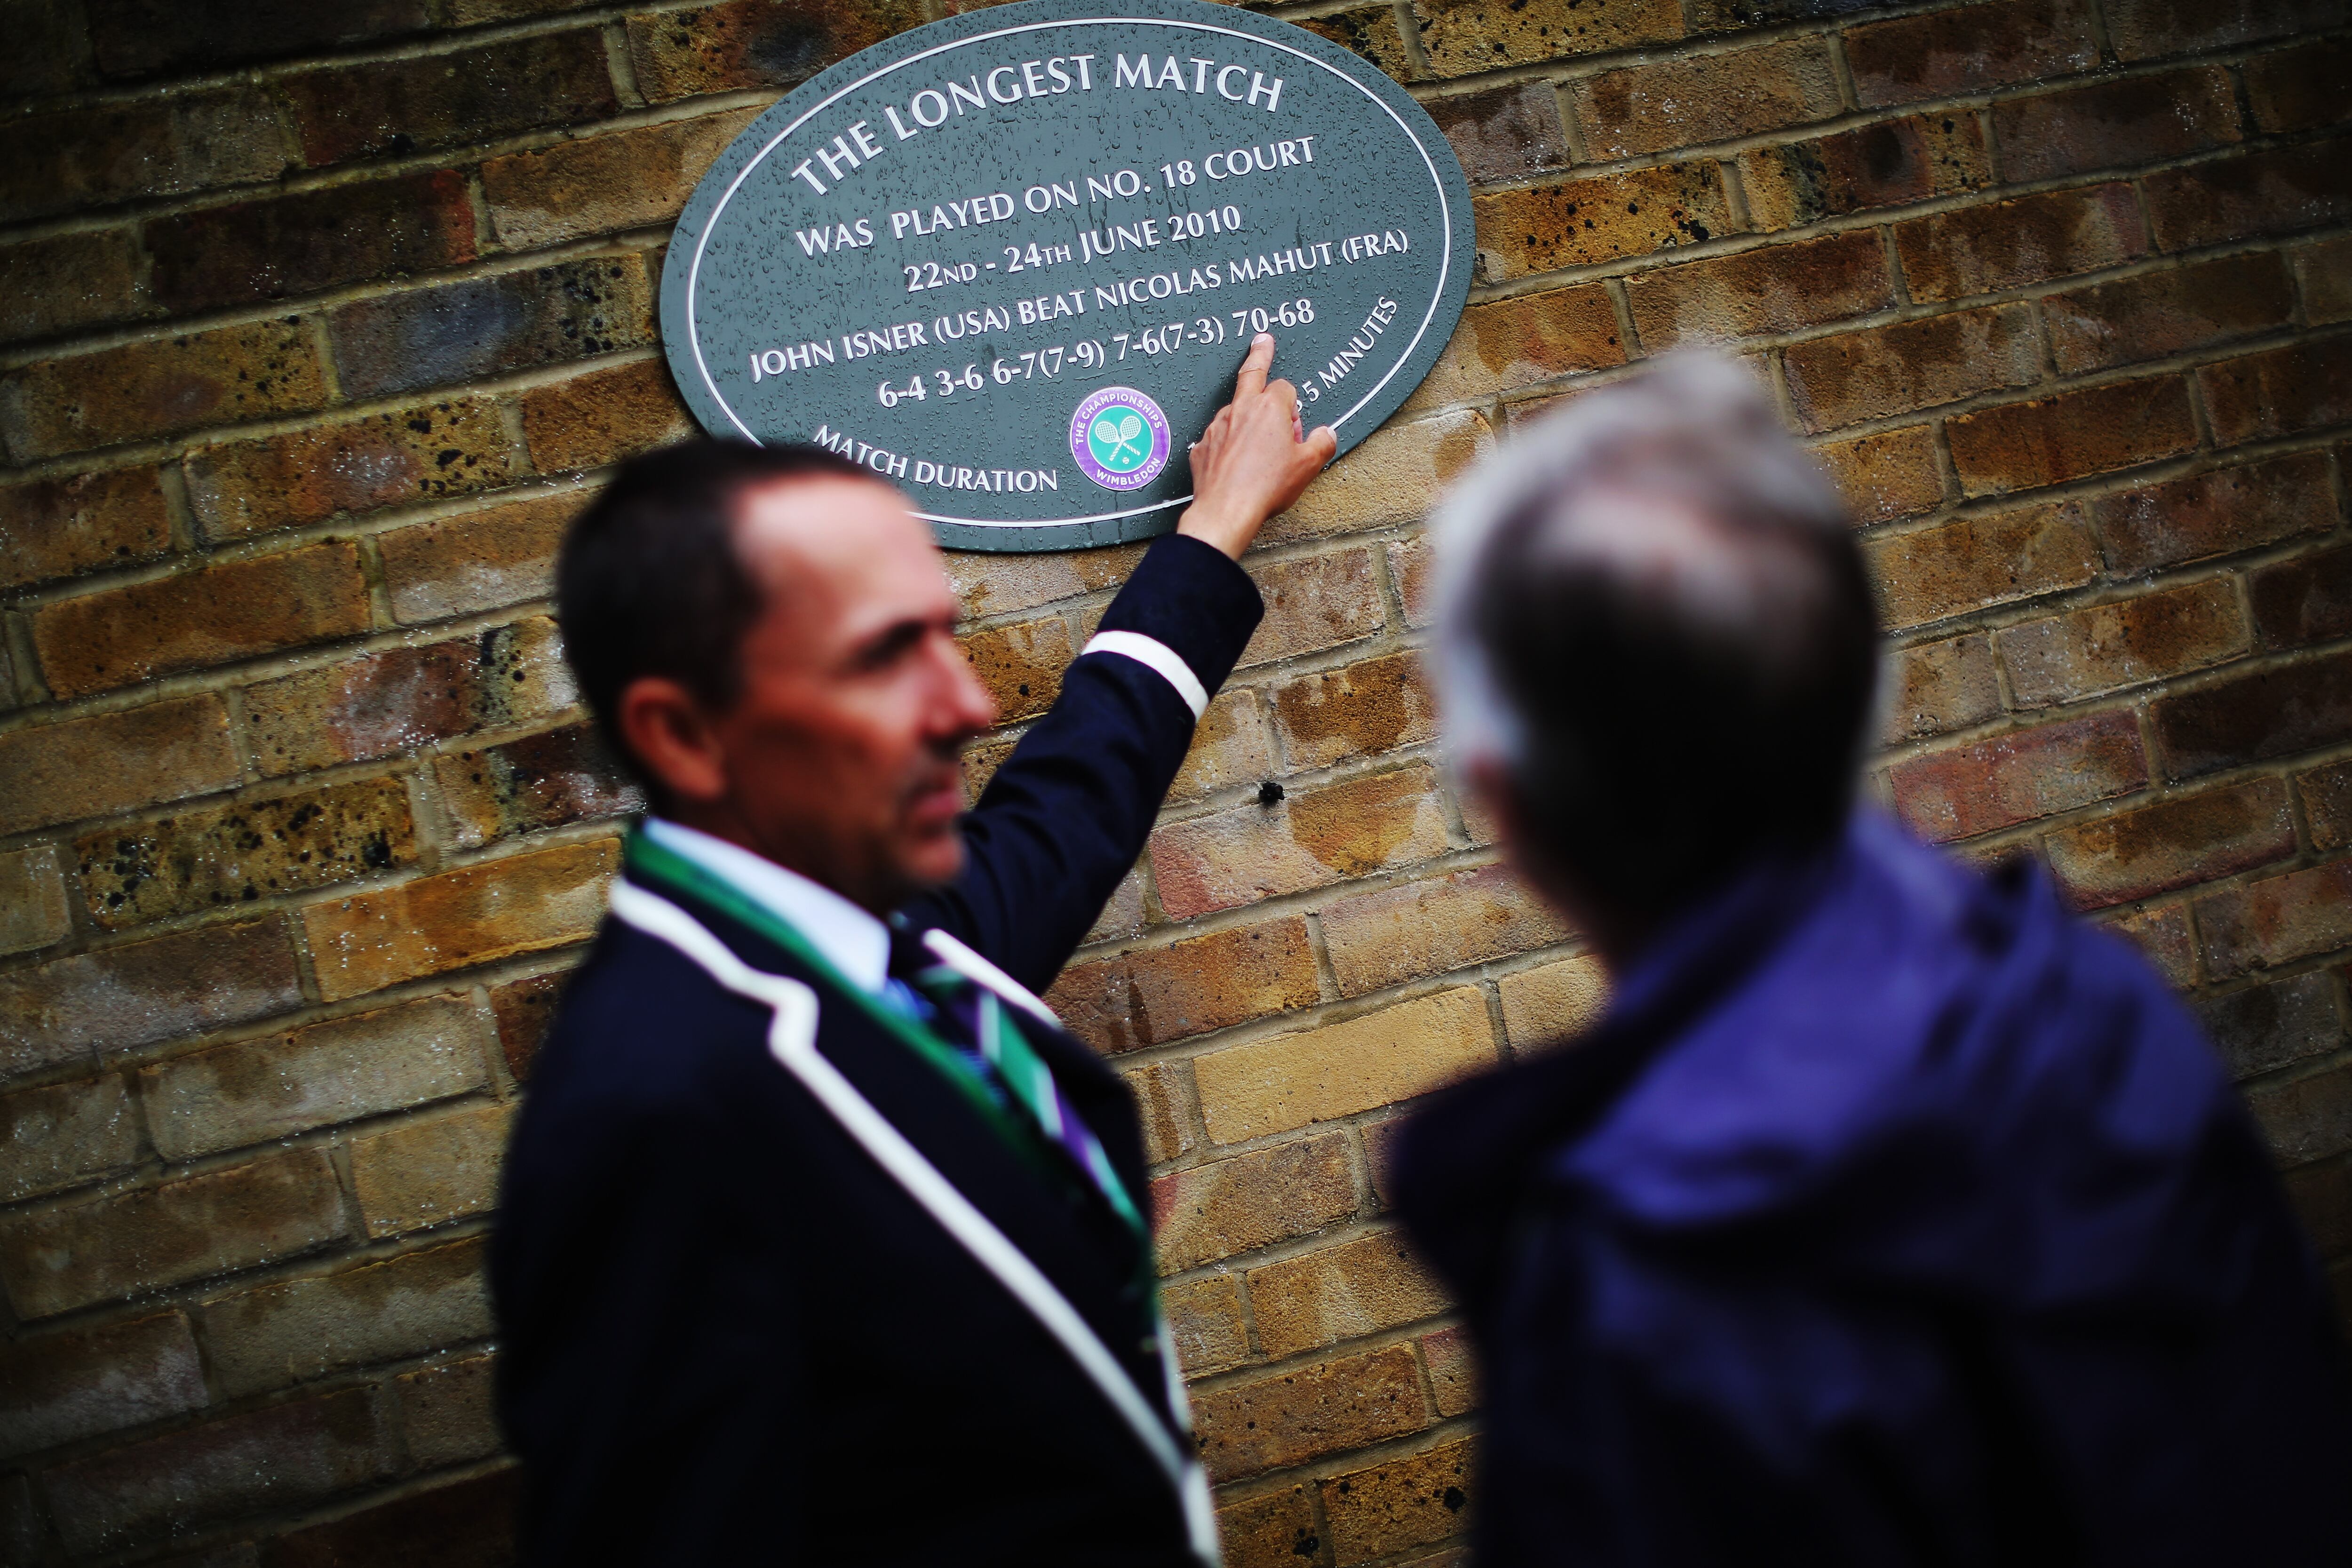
pixel 1119 437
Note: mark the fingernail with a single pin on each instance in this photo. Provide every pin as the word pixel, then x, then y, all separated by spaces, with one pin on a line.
pixel 1262 338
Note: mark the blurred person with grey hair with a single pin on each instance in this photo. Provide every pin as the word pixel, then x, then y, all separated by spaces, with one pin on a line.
pixel 1890 1213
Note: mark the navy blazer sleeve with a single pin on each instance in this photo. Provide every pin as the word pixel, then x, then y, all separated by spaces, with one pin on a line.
pixel 1066 815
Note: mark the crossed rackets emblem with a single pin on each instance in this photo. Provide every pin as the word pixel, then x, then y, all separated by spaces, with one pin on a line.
pixel 1118 443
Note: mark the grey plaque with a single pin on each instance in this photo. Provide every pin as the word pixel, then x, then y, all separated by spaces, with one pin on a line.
pixel 1011 260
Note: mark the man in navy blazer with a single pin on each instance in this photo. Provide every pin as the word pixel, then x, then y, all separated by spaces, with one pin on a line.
pixel 819 1240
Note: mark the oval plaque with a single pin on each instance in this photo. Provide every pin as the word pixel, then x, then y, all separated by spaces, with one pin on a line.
pixel 1011 260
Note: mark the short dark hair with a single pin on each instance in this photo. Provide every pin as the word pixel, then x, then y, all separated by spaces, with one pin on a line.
pixel 649 580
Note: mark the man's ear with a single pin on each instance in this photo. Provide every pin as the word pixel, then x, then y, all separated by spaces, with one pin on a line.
pixel 670 735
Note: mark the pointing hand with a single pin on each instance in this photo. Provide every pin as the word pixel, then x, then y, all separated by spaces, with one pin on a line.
pixel 1254 460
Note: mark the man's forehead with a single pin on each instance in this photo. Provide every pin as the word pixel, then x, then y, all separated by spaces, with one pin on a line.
pixel 832 525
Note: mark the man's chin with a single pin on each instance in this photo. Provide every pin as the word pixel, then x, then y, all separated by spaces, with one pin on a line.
pixel 933 859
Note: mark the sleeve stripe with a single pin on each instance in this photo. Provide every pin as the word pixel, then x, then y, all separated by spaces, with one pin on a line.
pixel 1160 656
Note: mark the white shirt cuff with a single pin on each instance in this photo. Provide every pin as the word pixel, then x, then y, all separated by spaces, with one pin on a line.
pixel 1160 656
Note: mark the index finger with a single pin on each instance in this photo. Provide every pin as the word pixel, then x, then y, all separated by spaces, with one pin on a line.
pixel 1253 368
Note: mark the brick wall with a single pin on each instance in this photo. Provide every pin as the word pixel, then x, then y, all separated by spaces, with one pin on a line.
pixel 320 320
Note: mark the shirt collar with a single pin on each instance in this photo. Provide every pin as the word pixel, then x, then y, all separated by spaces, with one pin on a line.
pixel 850 939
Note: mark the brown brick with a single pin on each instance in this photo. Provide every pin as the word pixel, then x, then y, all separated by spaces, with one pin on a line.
pixel 141 38
pixel 755 43
pixel 2272 713
pixel 1553 1002
pixel 2215 513
pixel 1600 217
pixel 1294 1417
pixel 1425 928
pixel 1289 1080
pixel 2173 844
pixel 499 909
pixel 2323 269
pixel 2072 435
pixel 1271 1530
pixel 485 326
pixel 1521 341
pixel 400 106
pixel 1969 48
pixel 33 913
pixel 1453 1375
pixel 296 1329
pixel 2265 1028
pixel 340 1070
pixel 539 782
pixel 138 756
pixel 212 614
pixel 2322 1196
pixel 2300 387
pixel 602 416
pixel 1709 97
pixel 486 560
pixel 446 1415
pixel 524 1009
pixel 1394 477
pixel 2160 313
pixel 1890 474
pixel 1230 746
pixel 2127 642
pixel 1369 31
pixel 426 1173
pixel 2271 190
pixel 1410 567
pixel 2112 124
pixel 150 1237
pixel 2306 1120
pixel 2300 88
pixel 2308 599
pixel 57 1387
pixel 1161 1090
pixel 993 584
pixel 68 281
pixel 94 1004
pixel 1931 688
pixel 1360 710
pixel 53 527
pixel 1464 37
pixel 393 702
pixel 1911 364
pixel 1021 664
pixel 76 159
pixel 1400 1503
pixel 64 1134
pixel 1309 839
pixel 1505 134
pixel 1777 289
pixel 1881 166
pixel 1972 562
pixel 1250 1201
pixel 1343 1293
pixel 49 54
pixel 2001 244
pixel 160 387
pixel 282 1457
pixel 300 244
pixel 1315 602
pixel 2163 939
pixel 2145 29
pixel 466 1524
pixel 424 453
pixel 1156 995
pixel 1204 1320
pixel 601 185
pixel 1985 785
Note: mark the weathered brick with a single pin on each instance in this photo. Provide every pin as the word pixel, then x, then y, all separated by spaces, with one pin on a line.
pixel 64 1134
pixel 1511 343
pixel 1885 164
pixel 1453 1376
pixel 485 326
pixel 1777 289
pixel 2269 1027
pixel 447 1413
pixel 540 781
pixel 33 908
pixel 1315 602
pixel 494 910
pixel 112 761
pixel 142 37
pixel 212 614
pixel 24 1534
pixel 283 1456
pixel 2146 29
pixel 1911 364
pixel 1969 48
pixel 601 185
pixel 53 527
pixel 1981 786
pixel 1464 37
pixel 1359 709
pixel 2300 88
pixel 2160 313
pixel 1289 1080
pixel 1505 134
pixel 76 159
pixel 150 1237
pixel 340 1070
pixel 94 1004
pixel 1424 928
pixel 1973 561
pixel 1400 1503
pixel 1231 745
pixel 57 1387
pixel 2127 642
pixel 1251 1201
pixel 2327 795
pixel 466 1524
pixel 1708 98
pixel 400 106
pixel 993 584
pixel 1396 477
pixel 602 416
pixel 2264 713
pixel 755 43
pixel 1161 1089
pixel 1204 1320
pixel 1598 218
pixel 1124 914
pixel 1156 995
pixel 2306 1120
pixel 2300 387
pixel 523 1009
pixel 160 387
pixel 1343 1293
pixel 1891 474
pixel 2050 440
pixel 2215 513
pixel 2322 1196
pixel 1369 30
pixel 485 560
pixel 2308 599
pixel 2173 844
pixel 2001 244
pixel 1021 664
pixel 300 244
pixel 1271 1530
pixel 1410 567
pixel 426 1173
pixel 2163 937
pixel 48 50
pixel 2277 920
pixel 395 701
pixel 2323 269
pixel 1553 1002
pixel 288 1332
pixel 2136 119
pixel 67 281
pixel 435 449
pixel 1307 840
pixel 1931 688
pixel 2271 190
pixel 1295 1417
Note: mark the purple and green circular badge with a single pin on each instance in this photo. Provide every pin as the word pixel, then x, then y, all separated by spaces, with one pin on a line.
pixel 1119 437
